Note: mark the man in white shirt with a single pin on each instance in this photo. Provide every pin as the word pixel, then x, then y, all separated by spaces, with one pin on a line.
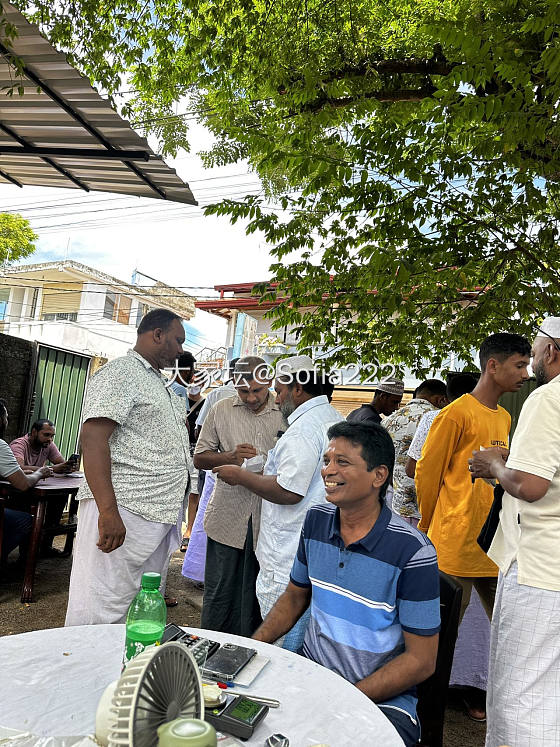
pixel 523 702
pixel 291 482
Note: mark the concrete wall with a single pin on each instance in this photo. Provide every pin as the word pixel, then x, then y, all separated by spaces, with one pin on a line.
pixel 17 361
pixel 105 340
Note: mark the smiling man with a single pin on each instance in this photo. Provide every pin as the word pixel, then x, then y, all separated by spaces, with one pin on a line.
pixel 371 581
pixel 137 462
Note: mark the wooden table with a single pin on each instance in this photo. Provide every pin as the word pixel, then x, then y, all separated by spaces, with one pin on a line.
pixel 35 502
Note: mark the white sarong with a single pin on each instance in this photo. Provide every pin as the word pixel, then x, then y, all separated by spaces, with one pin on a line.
pixel 102 585
pixel 523 697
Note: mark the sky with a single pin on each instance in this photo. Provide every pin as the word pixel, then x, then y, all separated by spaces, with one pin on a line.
pixel 174 243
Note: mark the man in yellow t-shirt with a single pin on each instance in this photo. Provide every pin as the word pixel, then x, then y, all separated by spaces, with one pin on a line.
pixel 453 508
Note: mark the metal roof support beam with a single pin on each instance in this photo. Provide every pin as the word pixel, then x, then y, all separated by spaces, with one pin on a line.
pixel 75 115
pixel 40 151
pixel 9 178
pixel 22 141
pixel 144 178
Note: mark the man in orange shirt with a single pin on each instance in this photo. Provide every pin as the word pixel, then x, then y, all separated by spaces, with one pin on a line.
pixel 453 508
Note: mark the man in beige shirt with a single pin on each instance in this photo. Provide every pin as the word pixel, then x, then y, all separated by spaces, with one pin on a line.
pixel 523 699
pixel 236 428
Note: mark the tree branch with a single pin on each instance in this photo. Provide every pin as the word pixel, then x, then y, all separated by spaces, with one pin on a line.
pixel 410 66
pixel 406 94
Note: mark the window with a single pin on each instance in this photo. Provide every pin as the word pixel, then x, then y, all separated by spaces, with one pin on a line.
pixel 33 304
pixel 110 300
pixel 122 309
pixel 4 298
pixel 117 307
pixel 143 309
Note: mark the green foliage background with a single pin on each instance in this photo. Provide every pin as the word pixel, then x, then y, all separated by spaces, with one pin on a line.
pixel 413 145
pixel 17 239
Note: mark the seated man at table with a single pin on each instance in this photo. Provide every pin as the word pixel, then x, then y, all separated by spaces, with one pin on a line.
pixel 370 578
pixel 34 450
pixel 37 448
pixel 17 524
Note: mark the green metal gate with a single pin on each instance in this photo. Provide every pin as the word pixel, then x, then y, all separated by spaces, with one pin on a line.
pixel 59 393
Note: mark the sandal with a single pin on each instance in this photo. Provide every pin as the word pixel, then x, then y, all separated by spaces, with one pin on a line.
pixel 184 544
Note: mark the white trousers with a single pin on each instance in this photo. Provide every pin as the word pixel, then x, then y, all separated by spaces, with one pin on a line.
pixel 523 696
pixel 102 585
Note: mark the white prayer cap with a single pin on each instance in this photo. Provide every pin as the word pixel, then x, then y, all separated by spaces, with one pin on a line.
pixel 550 327
pixel 294 364
pixel 391 386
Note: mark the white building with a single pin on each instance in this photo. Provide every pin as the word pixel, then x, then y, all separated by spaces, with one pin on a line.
pixel 74 307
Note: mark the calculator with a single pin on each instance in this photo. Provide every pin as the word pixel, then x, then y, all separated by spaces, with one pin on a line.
pixel 200 648
pixel 238 715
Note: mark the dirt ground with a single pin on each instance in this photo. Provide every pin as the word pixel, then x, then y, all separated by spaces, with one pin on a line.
pixel 49 608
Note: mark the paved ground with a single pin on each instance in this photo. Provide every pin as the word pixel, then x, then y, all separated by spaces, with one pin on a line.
pixel 51 591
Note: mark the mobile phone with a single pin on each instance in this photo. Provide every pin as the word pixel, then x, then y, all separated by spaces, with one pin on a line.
pixel 227 662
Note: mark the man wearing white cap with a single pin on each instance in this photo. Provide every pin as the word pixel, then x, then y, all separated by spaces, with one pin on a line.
pixel 387 398
pixel 291 482
pixel 523 700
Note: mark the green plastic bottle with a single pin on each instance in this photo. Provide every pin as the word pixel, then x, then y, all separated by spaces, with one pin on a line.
pixel 146 617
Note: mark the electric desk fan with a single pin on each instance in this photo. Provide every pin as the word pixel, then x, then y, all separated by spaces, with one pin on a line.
pixel 160 684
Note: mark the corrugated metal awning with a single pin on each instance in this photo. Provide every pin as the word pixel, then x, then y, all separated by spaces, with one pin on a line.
pixel 62 133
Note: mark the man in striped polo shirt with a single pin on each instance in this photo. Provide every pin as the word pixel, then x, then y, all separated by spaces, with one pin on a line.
pixel 370 579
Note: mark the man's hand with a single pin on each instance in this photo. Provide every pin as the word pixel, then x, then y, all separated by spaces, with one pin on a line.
pixel 112 531
pixel 45 472
pixel 229 473
pixel 241 452
pixel 486 463
pixel 65 468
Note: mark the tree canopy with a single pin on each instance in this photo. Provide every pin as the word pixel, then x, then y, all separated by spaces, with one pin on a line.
pixel 17 239
pixel 411 144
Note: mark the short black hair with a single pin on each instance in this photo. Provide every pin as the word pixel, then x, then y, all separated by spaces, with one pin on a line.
pixel 460 383
pixel 185 365
pixel 248 368
pixel 431 387
pixel 157 319
pixel 38 424
pixel 377 445
pixel 231 365
pixel 502 346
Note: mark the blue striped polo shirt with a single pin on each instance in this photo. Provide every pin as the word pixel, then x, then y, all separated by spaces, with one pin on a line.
pixel 365 595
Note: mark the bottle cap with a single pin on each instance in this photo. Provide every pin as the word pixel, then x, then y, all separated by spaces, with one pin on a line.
pixel 151 580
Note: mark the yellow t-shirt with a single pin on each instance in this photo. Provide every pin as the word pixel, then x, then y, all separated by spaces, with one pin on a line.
pixel 453 508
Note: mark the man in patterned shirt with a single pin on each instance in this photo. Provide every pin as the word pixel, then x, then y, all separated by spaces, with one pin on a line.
pixel 402 424
pixel 137 462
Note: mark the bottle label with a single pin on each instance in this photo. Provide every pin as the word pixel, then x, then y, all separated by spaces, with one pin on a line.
pixel 133 647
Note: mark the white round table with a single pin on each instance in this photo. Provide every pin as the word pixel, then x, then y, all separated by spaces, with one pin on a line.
pixel 51 681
